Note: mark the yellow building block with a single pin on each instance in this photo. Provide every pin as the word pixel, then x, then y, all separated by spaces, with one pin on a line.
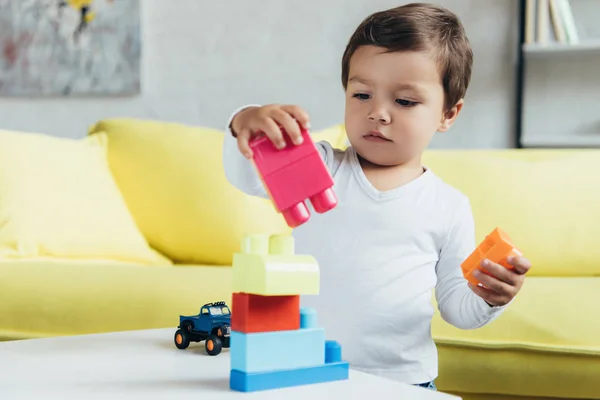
pixel 268 266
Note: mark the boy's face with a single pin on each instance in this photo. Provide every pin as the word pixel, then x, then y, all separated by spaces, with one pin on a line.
pixel 398 96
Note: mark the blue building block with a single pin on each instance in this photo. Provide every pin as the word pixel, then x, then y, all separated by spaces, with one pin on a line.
pixel 333 351
pixel 251 382
pixel 278 350
pixel 308 318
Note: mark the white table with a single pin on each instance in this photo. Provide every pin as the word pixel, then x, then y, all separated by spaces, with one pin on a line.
pixel 146 365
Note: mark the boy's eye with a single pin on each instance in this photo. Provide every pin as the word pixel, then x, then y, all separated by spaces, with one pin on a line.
pixel 406 103
pixel 361 96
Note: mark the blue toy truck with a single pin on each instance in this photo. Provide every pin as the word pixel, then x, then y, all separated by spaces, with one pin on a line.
pixel 213 325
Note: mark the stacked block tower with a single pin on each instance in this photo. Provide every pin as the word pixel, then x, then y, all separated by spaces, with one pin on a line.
pixel 274 342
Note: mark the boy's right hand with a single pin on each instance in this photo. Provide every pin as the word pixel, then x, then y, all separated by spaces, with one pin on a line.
pixel 254 121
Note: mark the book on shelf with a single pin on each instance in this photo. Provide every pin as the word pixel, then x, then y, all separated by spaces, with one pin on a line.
pixel 550 21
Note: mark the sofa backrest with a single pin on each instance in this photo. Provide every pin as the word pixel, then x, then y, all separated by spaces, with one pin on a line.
pixel 547 200
pixel 172 179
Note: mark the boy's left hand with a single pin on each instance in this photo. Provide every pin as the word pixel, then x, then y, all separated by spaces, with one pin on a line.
pixel 504 284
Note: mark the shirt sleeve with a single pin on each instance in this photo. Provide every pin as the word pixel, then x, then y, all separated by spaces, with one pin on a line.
pixel 241 173
pixel 457 303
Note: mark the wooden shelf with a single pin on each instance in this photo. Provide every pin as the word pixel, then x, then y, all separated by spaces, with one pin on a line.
pixel 562 77
pixel 537 49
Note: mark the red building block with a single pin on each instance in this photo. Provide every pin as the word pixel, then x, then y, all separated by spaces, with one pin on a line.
pixel 254 313
pixel 292 175
pixel 496 247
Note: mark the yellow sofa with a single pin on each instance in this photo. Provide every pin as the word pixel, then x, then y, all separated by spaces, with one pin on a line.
pixel 72 262
pixel 546 345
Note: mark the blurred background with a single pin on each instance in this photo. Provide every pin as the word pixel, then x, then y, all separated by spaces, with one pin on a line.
pixel 67 64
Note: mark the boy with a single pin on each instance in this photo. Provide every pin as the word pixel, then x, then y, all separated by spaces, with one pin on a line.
pixel 398 231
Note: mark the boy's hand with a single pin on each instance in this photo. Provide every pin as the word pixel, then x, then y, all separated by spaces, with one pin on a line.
pixel 504 284
pixel 253 121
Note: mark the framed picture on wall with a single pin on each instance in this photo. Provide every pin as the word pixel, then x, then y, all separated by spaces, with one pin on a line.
pixel 69 47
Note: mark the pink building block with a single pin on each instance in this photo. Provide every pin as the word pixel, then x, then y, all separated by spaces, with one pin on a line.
pixel 292 175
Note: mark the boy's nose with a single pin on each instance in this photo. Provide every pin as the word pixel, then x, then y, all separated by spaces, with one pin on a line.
pixel 379 115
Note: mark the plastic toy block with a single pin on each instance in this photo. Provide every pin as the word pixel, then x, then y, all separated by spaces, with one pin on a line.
pixel 268 266
pixel 251 382
pixel 496 247
pixel 255 313
pixel 293 175
pixel 333 351
pixel 308 318
pixel 270 351
pixel 270 360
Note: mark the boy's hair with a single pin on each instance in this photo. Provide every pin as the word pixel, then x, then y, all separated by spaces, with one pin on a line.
pixel 419 27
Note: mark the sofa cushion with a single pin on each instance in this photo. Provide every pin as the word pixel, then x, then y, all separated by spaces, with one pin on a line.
pixel 545 199
pixel 172 178
pixel 546 343
pixel 59 199
pixel 66 297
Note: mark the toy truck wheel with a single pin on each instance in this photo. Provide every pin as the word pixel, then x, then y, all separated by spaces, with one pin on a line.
pixel 324 201
pixel 223 334
pixel 187 326
pixel 213 345
pixel 182 340
pixel 223 331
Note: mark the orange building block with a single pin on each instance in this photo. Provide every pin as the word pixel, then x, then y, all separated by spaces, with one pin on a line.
pixel 496 247
pixel 255 313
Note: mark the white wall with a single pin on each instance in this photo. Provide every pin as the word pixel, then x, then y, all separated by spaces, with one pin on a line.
pixel 202 59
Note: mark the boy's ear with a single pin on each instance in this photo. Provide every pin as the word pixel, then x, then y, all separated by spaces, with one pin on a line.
pixel 450 116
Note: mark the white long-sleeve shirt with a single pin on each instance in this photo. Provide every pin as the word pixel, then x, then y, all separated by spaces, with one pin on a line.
pixel 381 255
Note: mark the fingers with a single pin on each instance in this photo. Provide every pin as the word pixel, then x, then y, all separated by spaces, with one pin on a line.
pixel 242 133
pixel 289 124
pixel 243 139
pixel 500 272
pixel 269 120
pixel 489 296
pixel 521 264
pixel 494 284
pixel 299 114
pixel 291 118
pixel 499 285
pixel 272 130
